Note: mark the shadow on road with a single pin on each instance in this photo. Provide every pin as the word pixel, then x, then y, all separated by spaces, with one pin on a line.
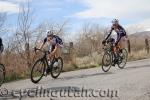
pixel 85 76
pixel 97 74
pixel 135 67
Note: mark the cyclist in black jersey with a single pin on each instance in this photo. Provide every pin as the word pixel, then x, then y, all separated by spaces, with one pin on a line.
pixel 121 34
pixel 121 38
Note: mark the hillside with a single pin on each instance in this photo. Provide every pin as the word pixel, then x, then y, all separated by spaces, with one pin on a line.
pixel 144 34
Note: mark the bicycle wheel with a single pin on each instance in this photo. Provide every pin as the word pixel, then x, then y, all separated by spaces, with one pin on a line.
pixel 2 74
pixel 37 71
pixel 106 61
pixel 122 59
pixel 56 70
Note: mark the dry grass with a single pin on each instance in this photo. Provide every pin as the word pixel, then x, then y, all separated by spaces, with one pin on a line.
pixel 93 59
pixel 138 55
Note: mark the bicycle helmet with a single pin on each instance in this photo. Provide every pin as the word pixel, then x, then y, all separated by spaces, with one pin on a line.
pixel 115 21
pixel 50 33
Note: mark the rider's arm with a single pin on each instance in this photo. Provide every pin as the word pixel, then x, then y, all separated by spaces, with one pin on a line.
pixel 41 46
pixel 45 40
pixel 109 34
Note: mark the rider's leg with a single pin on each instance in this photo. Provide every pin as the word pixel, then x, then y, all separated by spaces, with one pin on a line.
pixel 115 51
pixel 122 44
pixel 50 58
pixel 115 56
pixel 58 52
pixel 57 55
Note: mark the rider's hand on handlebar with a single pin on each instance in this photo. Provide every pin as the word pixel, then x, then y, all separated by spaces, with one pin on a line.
pixel 103 42
pixel 35 50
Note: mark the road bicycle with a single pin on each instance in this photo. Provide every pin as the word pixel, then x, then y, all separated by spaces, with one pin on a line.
pixel 112 57
pixel 42 67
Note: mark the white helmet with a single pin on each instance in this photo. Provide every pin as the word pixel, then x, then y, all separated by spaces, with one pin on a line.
pixel 115 21
pixel 50 33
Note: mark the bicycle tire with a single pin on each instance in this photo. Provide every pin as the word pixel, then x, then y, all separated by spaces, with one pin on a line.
pixel 108 66
pixel 42 73
pixel 61 67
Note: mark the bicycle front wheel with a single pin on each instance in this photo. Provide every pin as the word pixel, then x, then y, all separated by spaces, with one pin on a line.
pixel 106 61
pixel 57 69
pixel 37 71
pixel 2 74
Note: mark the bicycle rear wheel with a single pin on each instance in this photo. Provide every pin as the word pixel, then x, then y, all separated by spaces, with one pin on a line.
pixel 38 70
pixel 56 70
pixel 2 74
pixel 106 61
pixel 122 59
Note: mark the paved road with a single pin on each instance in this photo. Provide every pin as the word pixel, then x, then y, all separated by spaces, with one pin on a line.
pixel 131 83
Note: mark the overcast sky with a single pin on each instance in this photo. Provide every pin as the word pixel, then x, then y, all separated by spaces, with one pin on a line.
pixel 133 14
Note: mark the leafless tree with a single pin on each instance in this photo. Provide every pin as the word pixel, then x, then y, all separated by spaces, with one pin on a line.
pixel 2 21
pixel 58 28
pixel 23 33
pixel 89 39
